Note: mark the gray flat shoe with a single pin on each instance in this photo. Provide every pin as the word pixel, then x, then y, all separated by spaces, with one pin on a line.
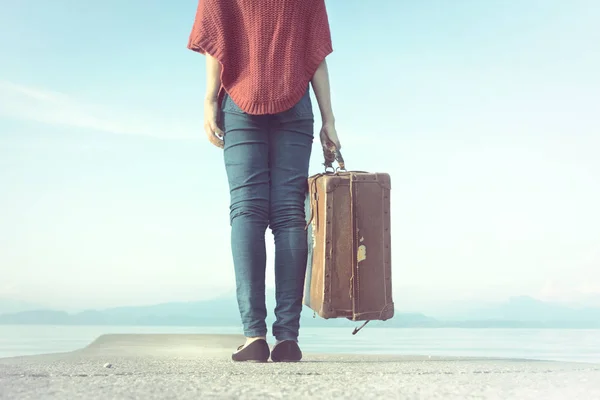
pixel 257 351
pixel 286 351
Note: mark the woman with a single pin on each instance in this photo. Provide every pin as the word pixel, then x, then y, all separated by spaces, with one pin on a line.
pixel 261 57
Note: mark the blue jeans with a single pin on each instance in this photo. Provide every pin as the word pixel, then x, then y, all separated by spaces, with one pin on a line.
pixel 266 160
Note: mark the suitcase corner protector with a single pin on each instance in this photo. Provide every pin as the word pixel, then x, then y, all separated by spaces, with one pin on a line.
pixel 387 312
pixel 327 311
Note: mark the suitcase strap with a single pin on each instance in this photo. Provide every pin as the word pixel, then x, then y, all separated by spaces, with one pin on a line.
pixel 314 210
pixel 355 331
pixel 355 277
pixel 330 156
pixel 354 281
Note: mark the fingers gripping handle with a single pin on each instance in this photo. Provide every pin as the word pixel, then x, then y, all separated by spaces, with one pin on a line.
pixel 332 155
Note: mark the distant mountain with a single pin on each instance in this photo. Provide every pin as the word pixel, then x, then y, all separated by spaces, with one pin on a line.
pixel 220 311
pixel 520 312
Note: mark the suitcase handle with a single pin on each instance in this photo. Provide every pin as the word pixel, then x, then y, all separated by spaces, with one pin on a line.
pixel 332 155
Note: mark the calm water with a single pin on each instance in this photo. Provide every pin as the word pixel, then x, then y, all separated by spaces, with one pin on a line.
pixel 544 344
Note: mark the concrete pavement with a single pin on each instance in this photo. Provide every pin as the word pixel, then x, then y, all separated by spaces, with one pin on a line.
pixel 199 366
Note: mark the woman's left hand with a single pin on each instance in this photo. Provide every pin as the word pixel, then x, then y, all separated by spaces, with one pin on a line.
pixel 211 128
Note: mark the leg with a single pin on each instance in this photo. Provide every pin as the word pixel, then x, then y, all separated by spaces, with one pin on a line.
pixel 246 161
pixel 291 140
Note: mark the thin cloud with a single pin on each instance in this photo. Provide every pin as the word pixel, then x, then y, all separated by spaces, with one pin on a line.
pixel 55 108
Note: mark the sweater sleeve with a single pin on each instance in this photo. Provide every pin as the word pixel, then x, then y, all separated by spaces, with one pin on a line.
pixel 205 36
pixel 319 43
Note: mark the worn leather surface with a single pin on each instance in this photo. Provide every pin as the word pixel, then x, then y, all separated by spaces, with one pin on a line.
pixel 349 263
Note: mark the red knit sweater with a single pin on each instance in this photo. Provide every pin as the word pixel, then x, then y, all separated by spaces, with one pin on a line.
pixel 268 49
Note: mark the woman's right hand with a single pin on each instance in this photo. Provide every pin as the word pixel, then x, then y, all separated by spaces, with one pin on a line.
pixel 213 132
pixel 329 137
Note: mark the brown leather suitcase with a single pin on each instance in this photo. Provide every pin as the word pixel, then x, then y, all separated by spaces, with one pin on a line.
pixel 349 259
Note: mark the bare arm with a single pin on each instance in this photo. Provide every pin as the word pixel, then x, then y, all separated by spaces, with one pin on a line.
pixel 320 84
pixel 211 107
pixel 213 78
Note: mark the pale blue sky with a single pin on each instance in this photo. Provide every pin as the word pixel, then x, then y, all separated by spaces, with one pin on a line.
pixel 485 113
